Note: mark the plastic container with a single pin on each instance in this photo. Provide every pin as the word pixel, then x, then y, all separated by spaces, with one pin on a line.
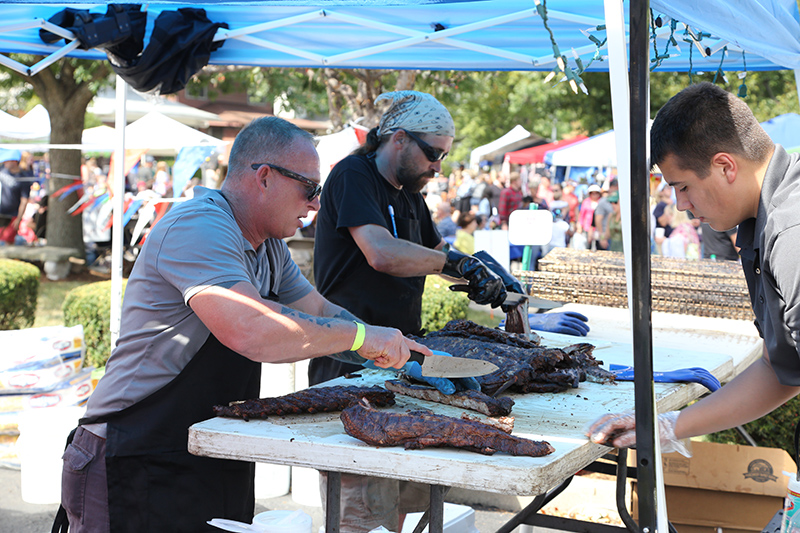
pixel 43 435
pixel 791 516
pixel 283 522
pixel 457 519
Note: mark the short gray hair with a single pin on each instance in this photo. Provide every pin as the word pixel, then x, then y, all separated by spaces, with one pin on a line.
pixel 260 140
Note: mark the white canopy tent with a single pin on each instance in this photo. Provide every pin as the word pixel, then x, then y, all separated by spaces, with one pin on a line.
pixel 480 35
pixel 510 141
pixel 33 125
pixel 155 131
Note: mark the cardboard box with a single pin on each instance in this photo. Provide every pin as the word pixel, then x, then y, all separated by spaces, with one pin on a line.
pixel 736 488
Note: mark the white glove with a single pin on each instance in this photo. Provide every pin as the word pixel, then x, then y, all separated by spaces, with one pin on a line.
pixel 619 430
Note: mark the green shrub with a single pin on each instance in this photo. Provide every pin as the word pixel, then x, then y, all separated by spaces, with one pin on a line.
pixel 441 305
pixel 775 430
pixel 19 288
pixel 90 306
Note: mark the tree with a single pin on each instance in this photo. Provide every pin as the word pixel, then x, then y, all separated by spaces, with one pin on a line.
pixel 65 88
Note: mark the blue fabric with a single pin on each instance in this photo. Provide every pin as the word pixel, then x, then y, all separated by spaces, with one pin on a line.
pixel 784 130
pixel 767 29
pixel 186 164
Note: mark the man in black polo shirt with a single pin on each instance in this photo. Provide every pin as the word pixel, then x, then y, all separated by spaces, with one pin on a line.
pixel 727 172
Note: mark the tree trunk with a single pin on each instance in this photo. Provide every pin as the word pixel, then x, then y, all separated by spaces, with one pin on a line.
pixel 65 99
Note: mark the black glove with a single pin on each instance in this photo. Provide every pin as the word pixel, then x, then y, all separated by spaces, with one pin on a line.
pixel 512 284
pixel 485 287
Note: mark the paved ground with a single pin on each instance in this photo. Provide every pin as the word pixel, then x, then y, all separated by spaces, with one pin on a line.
pixel 17 516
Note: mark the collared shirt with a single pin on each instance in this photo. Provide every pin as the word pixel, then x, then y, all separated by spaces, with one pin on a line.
pixel 770 252
pixel 197 244
pixel 510 200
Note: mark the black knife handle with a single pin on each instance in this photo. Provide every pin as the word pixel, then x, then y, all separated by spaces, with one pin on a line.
pixel 419 357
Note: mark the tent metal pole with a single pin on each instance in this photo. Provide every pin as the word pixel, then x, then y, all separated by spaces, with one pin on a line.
pixel 117 234
pixel 647 455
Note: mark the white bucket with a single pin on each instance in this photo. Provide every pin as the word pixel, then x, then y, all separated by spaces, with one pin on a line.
pixel 305 486
pixel 283 522
pixel 43 435
pixel 274 480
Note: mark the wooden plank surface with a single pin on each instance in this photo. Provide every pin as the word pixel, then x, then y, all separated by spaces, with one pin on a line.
pixel 319 441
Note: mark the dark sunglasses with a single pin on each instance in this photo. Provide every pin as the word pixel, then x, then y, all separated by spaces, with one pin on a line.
pixel 433 154
pixel 313 189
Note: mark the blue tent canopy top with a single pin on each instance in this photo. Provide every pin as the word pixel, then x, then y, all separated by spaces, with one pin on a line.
pixel 457 34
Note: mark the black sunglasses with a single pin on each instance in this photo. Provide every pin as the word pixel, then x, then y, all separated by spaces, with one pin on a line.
pixel 433 154
pixel 313 189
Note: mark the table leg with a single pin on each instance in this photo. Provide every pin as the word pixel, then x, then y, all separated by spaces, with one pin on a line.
pixel 333 502
pixel 437 508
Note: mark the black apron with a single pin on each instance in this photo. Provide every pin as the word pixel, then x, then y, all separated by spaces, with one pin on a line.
pixel 154 483
pixel 381 300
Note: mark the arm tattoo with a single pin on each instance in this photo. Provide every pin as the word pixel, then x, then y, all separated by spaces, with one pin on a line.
pixel 318 320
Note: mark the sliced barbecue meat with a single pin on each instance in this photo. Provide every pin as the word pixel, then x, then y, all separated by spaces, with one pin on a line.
pixel 469 329
pixel 503 423
pixel 557 381
pixel 468 399
pixel 423 429
pixel 315 400
pixel 524 366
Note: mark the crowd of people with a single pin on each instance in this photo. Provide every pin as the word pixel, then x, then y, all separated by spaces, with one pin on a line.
pixel 586 212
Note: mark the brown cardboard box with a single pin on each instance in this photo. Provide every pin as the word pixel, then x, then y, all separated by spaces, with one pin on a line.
pixel 736 488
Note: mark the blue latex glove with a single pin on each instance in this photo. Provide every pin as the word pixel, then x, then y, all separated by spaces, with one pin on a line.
pixel 566 322
pixel 688 375
pixel 443 385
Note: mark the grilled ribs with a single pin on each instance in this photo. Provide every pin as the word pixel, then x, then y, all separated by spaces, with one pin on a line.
pixel 423 429
pixel 315 400
pixel 468 399
pixel 524 366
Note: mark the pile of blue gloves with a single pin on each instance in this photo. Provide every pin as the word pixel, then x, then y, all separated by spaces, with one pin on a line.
pixel 683 375
pixel 565 322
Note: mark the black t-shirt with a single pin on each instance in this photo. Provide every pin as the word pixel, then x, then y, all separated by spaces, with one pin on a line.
pixel 12 191
pixel 657 212
pixel 718 243
pixel 355 194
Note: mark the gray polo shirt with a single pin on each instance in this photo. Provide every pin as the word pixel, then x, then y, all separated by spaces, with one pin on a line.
pixel 196 245
pixel 770 252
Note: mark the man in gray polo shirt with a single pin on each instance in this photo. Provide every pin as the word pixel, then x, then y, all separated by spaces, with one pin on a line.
pixel 727 171
pixel 213 294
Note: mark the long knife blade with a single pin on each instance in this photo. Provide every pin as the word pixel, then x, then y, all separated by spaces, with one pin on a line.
pixel 442 365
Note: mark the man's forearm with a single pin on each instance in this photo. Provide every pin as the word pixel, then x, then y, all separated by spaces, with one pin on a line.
pixel 751 395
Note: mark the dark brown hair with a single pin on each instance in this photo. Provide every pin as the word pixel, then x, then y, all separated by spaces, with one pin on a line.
pixel 701 121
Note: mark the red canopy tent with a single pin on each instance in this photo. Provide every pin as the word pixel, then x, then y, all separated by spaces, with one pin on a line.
pixel 535 154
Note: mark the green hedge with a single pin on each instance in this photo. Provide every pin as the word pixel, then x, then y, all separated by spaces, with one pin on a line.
pixel 775 430
pixel 90 306
pixel 441 305
pixel 19 288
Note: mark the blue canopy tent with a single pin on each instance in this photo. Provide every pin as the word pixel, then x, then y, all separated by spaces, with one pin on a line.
pixel 490 35
pixel 784 130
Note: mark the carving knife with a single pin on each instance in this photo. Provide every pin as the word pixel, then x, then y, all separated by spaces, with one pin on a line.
pixel 442 365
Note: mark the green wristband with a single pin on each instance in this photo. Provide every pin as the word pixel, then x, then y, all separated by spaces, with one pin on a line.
pixel 361 332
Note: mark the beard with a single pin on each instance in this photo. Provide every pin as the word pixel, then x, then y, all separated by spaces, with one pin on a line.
pixel 411 180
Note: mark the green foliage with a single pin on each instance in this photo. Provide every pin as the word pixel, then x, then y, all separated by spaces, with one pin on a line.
pixel 441 305
pixel 775 430
pixel 90 306
pixel 19 287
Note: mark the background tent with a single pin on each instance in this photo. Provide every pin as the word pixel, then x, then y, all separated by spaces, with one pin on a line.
pixel 535 154
pixel 516 138
pixel 784 130
pixel 597 151
pixel 159 133
pixel 34 125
